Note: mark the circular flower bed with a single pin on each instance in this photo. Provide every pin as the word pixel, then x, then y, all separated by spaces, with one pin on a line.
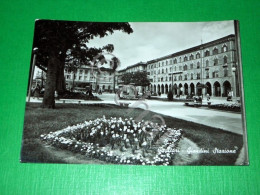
pixel 119 141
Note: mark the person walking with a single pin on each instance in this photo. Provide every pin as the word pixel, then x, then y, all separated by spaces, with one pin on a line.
pixel 208 97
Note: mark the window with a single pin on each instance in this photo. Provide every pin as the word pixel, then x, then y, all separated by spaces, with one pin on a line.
pixel 166 62
pixel 185 77
pixel 170 78
pixel 159 71
pixel 179 59
pixel 191 57
pixel 191 76
pixel 198 75
pixel 159 64
pixel 191 66
pixel 185 67
pixel 225 72
pixel 80 77
pixel 162 63
pixel 68 77
pixel 215 51
pixel 215 74
pixel 175 78
pixel 215 62
pixel 85 78
pixel 207 63
pixel 170 69
pixel 166 78
pixel 180 77
pixel 224 48
pixel 170 61
pixel 206 53
pixel 207 74
pixel 185 58
pixel 198 65
pixel 175 68
pixel 162 71
pixel 197 55
pixel 80 71
pixel 162 79
pixel 225 60
pixel 175 61
pixel 151 66
pixel 166 70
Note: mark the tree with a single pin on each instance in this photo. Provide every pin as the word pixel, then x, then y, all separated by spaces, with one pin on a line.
pixel 115 65
pixel 137 78
pixel 56 38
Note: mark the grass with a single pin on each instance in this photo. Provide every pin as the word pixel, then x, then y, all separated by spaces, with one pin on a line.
pixel 39 121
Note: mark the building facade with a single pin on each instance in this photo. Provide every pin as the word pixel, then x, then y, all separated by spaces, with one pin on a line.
pixel 86 76
pixel 139 67
pixel 208 68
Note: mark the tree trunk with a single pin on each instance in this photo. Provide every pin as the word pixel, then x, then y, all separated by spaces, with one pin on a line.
pixel 61 84
pixel 51 80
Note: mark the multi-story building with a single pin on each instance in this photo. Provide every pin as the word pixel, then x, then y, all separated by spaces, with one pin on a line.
pixel 138 67
pixel 208 68
pixel 86 76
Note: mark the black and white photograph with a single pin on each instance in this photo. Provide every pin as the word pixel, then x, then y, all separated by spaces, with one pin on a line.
pixel 135 93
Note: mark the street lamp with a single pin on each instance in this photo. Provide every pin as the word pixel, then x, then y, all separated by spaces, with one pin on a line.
pixel 234 69
pixel 35 50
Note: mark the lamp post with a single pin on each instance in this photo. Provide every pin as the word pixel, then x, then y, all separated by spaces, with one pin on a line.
pixel 234 89
pixel 32 71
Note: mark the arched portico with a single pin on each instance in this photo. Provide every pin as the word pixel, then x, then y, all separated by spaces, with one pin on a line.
pixel 162 89
pixel 192 89
pixel 186 89
pixel 226 88
pixel 180 89
pixel 199 89
pixel 208 89
pixel 166 88
pixel 175 89
pixel 217 89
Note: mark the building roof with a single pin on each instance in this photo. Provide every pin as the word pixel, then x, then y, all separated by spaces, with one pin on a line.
pixel 192 49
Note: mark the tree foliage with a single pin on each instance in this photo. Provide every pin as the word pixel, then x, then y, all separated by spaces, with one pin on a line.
pixel 136 78
pixel 61 42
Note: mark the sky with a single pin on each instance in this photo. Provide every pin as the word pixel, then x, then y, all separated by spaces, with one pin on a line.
pixel 153 40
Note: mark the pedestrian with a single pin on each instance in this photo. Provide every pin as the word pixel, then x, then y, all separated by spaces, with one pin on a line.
pixel 208 97
pixel 37 91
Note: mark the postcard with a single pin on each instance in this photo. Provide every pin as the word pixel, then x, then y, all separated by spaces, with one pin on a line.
pixel 135 93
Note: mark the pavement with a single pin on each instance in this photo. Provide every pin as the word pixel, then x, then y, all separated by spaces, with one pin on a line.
pixel 228 121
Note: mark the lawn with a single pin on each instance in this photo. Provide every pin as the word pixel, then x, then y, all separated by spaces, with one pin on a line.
pixel 39 121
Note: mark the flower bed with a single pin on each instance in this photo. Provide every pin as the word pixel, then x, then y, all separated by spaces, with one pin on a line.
pixel 119 141
pixel 236 107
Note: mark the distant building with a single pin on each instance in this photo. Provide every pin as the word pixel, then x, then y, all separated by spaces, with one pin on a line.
pixel 138 67
pixel 209 68
pixel 86 76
